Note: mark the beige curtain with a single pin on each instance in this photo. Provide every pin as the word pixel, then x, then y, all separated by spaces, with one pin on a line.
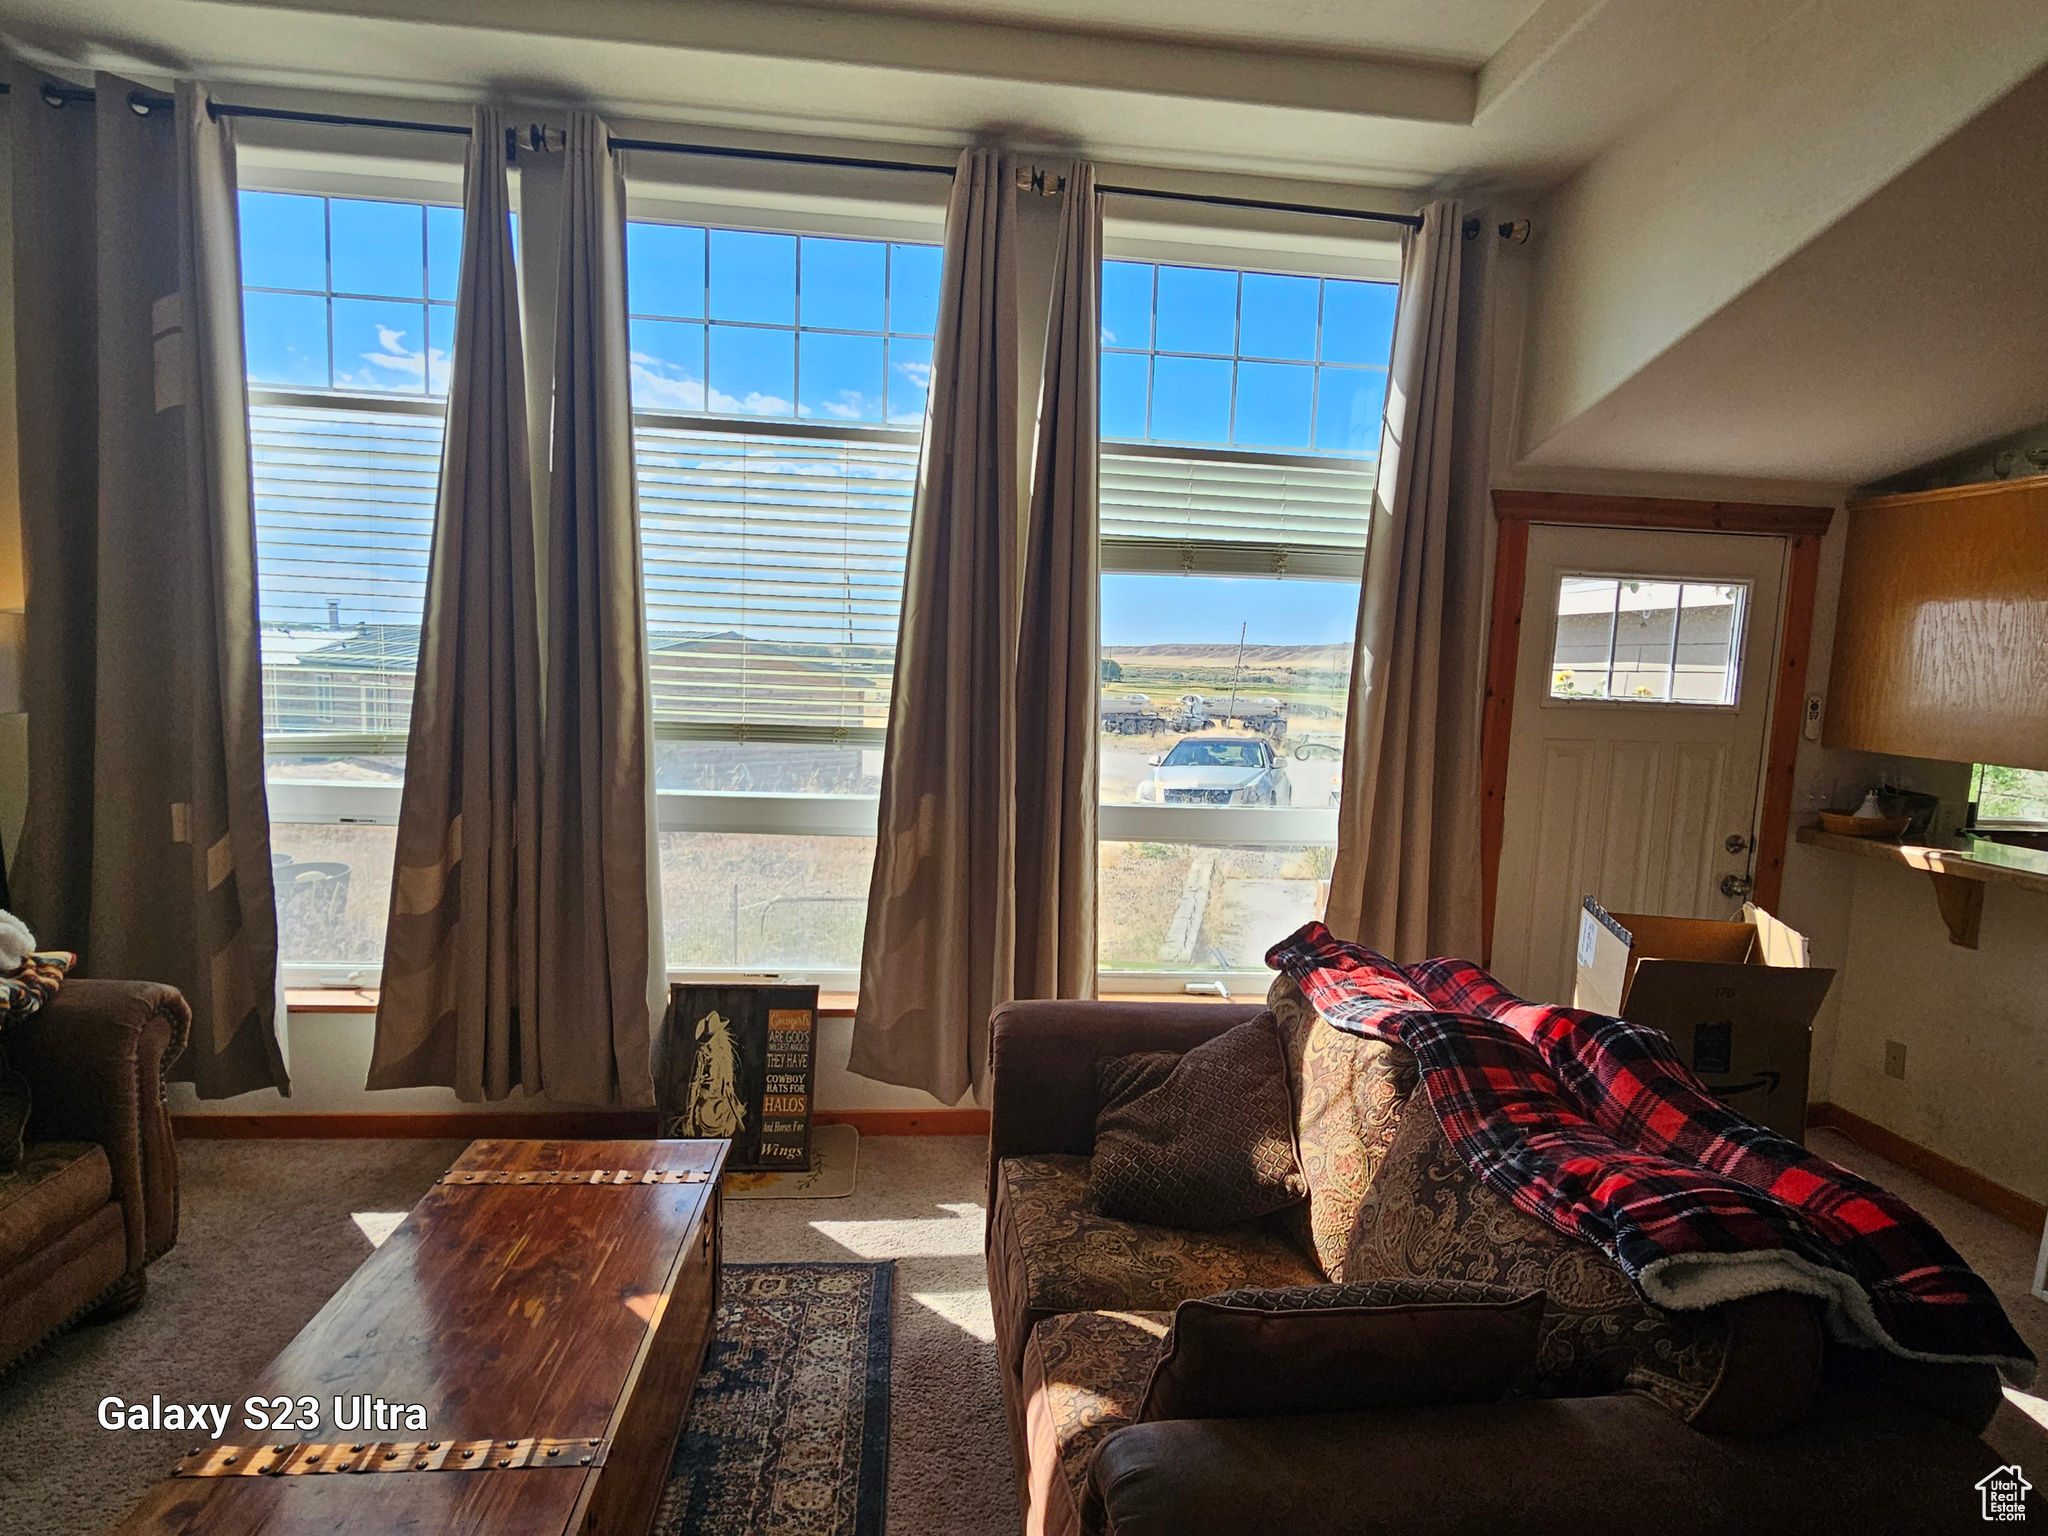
pixel 939 952
pixel 1058 648
pixel 460 998
pixel 146 846
pixel 602 976
pixel 1407 871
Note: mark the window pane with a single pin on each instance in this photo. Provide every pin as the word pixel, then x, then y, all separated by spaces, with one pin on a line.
pixel 1585 638
pixel 379 248
pixel 1644 629
pixel 1126 304
pixel 1279 317
pixel 284 240
pixel 842 377
pixel 380 345
pixel 440 346
pixel 444 253
pixel 1189 907
pixel 1349 402
pixel 1197 310
pixel 1709 631
pixel 1358 322
pixel 668 365
pixel 768 768
pixel 333 889
pixel 665 270
pixel 2012 794
pixel 1273 405
pixel 914 289
pixel 910 376
pixel 753 277
pixel 753 372
pixel 1125 376
pixel 843 283
pixel 1191 399
pixel 755 903
pixel 286 338
pixel 1221 690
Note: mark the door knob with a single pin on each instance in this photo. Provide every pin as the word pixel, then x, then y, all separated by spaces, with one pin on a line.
pixel 1737 887
pixel 1736 842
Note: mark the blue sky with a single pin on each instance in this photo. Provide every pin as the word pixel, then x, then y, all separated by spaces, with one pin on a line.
pixel 1208 610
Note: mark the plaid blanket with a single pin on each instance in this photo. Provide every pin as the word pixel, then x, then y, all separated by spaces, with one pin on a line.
pixel 1593 1125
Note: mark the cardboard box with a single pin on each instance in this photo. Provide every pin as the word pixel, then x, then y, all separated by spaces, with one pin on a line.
pixel 1737 999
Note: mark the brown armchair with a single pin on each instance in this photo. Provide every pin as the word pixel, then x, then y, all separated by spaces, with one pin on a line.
pixel 95 1196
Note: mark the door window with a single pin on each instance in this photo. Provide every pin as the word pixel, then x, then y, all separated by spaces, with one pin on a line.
pixel 1648 640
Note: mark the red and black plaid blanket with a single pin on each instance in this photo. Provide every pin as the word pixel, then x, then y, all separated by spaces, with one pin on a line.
pixel 1593 1125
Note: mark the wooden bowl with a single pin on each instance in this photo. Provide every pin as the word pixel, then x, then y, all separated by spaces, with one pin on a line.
pixel 1863 826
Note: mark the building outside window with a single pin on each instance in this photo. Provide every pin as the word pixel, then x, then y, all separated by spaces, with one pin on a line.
pixel 349 319
pixel 1240 420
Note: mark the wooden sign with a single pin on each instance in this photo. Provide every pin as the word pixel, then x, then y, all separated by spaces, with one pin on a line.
pixel 738 1062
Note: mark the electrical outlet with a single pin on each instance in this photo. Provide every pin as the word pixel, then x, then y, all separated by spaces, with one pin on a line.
pixel 1895 1059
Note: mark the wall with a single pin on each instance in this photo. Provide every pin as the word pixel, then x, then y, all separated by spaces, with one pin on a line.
pixel 1973 1022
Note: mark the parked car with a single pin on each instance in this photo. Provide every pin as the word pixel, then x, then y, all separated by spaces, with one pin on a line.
pixel 1217 770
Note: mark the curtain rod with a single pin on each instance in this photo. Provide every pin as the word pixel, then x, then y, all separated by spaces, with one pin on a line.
pixel 1405 220
pixel 781 156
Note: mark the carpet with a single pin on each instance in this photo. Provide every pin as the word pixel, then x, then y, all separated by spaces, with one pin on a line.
pixel 835 1158
pixel 788 1433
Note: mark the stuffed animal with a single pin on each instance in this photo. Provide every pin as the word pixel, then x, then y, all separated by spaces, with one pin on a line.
pixel 16 943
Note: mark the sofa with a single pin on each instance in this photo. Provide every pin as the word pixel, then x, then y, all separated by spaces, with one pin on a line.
pixel 1738 1419
pixel 94 1197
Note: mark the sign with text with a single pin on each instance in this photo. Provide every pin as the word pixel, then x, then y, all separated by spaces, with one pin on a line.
pixel 737 1062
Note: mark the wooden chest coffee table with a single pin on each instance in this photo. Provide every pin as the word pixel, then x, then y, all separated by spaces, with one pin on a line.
pixel 545 1309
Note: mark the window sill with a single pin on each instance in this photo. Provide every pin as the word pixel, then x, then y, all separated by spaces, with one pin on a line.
pixel 831 1005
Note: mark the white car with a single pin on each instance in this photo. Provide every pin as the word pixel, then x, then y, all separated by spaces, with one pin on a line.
pixel 1217 770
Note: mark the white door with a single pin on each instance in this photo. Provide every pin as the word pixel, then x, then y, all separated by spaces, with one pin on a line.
pixel 1642 693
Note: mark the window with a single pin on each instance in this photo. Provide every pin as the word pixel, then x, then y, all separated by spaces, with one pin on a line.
pixel 1240 420
pixel 1648 640
pixel 349 318
pixel 779 394
pixel 2010 796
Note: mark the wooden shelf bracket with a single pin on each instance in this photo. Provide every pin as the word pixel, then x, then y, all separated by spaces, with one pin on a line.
pixel 1962 906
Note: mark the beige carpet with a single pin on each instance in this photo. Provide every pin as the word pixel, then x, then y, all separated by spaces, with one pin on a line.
pixel 270 1231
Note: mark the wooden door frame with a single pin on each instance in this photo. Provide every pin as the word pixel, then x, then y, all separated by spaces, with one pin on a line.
pixel 1802 528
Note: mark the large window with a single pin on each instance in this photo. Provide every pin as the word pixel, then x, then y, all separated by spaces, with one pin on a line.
pixel 348 311
pixel 1240 420
pixel 779 392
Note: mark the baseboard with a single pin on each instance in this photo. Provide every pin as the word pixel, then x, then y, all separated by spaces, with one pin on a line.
pixel 543 1124
pixel 1944 1173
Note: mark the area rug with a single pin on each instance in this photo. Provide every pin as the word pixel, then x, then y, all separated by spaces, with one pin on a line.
pixel 835 1156
pixel 788 1434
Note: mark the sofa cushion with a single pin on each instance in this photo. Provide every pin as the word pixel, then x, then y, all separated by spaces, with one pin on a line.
pixel 1084 1377
pixel 1347 1094
pixel 55 1186
pixel 1201 1141
pixel 1334 1348
pixel 1428 1216
pixel 1050 1251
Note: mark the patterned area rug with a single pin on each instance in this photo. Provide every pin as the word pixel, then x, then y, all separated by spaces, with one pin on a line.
pixel 788 1433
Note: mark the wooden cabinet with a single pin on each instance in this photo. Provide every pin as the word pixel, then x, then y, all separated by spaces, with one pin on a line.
pixel 1941 639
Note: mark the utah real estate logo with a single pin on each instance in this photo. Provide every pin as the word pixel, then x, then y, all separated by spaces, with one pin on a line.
pixel 2005 1494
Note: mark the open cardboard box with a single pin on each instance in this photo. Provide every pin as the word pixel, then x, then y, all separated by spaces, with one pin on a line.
pixel 1737 999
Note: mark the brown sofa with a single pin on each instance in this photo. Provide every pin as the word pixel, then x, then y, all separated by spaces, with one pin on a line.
pixel 95 1196
pixel 1083 1303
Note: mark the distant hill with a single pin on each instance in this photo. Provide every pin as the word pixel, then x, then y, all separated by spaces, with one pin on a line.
pixel 1312 656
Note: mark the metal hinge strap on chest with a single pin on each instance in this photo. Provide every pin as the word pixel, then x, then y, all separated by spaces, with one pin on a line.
pixel 609 1177
pixel 301 1460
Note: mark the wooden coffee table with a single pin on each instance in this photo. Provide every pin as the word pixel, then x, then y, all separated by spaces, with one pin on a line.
pixel 545 1308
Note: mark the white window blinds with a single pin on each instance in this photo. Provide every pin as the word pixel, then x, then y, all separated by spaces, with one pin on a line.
pixel 774 569
pixel 1215 512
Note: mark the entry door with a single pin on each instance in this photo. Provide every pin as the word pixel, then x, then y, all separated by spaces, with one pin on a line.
pixel 1642 693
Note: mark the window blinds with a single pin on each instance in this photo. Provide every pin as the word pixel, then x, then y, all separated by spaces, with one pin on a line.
pixel 774 570
pixel 1234 514
pixel 344 522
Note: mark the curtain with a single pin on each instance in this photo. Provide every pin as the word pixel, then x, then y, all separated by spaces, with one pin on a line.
pixel 146 846
pixel 602 972
pixel 460 997
pixel 938 954
pixel 1058 649
pixel 1407 871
